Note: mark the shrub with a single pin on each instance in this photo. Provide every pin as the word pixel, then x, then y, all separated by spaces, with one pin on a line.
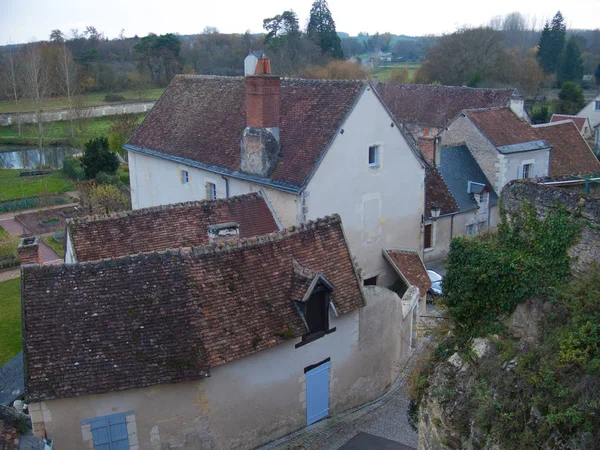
pixel 490 276
pixel 105 178
pixel 113 98
pixel 28 203
pixel 8 246
pixel 97 157
pixel 73 168
pixel 107 198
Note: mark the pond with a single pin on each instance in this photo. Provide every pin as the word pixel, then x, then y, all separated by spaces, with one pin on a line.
pixel 13 157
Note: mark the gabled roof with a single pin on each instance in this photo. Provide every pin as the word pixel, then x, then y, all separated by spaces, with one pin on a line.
pixel 436 105
pixel 579 121
pixel 437 193
pixel 505 130
pixel 458 167
pixel 409 266
pixel 168 226
pixel 11 380
pixel 199 121
pixel 168 317
pixel 571 154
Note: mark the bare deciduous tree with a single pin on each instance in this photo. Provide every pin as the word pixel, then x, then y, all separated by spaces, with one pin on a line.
pixel 10 83
pixel 66 76
pixel 35 81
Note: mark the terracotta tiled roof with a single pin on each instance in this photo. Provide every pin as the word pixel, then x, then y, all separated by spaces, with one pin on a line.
pixel 437 192
pixel 171 226
pixel 201 118
pixel 168 317
pixel 570 154
pixel 409 265
pixel 502 126
pixel 579 121
pixel 436 105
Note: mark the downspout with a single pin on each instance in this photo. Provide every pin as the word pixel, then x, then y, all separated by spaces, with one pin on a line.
pixel 226 186
pixel 452 226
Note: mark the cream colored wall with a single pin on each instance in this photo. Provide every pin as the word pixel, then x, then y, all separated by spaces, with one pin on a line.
pixel 445 230
pixel 256 399
pixel 539 158
pixel 156 181
pixel 380 207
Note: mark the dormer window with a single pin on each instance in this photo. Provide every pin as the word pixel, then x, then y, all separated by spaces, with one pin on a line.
pixel 316 312
pixel 313 303
pixel 223 231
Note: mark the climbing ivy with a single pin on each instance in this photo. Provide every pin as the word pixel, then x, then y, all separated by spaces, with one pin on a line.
pixel 490 275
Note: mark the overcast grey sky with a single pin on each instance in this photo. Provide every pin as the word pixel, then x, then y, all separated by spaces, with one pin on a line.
pixel 23 20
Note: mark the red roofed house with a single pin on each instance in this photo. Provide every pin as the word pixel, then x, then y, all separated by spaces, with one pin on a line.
pixel 507 147
pixel 314 147
pixel 165 227
pixel 426 109
pixel 582 123
pixel 226 345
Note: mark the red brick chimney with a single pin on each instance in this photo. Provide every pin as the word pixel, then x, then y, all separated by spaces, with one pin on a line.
pixel 29 251
pixel 260 140
pixel 262 97
pixel 426 145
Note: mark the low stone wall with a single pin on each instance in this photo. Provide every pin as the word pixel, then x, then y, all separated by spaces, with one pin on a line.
pixel 546 199
pixel 95 111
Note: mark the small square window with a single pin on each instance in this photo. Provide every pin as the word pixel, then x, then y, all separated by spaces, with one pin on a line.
pixel 471 230
pixel 185 177
pixel 373 156
pixel 597 105
pixel 527 171
pixel 370 281
pixel 211 191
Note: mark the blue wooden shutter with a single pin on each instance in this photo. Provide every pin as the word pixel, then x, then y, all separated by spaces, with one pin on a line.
pixel 317 393
pixel 110 433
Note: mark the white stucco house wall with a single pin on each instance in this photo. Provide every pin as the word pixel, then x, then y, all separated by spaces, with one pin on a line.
pixel 592 112
pixel 215 347
pixel 314 147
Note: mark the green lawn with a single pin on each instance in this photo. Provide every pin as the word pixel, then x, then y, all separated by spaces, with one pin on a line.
pixel 95 99
pixel 384 71
pixel 10 325
pixel 13 187
pixel 56 246
pixel 84 129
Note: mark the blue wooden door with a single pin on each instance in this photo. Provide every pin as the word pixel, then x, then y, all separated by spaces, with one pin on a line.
pixel 110 433
pixel 317 393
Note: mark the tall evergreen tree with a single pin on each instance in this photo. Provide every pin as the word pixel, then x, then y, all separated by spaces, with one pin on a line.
pixel 571 66
pixel 552 42
pixel 321 29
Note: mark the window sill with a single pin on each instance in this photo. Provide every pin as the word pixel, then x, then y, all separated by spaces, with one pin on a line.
pixel 308 338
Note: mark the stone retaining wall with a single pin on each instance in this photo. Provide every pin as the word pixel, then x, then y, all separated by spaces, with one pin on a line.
pixel 94 111
pixel 546 199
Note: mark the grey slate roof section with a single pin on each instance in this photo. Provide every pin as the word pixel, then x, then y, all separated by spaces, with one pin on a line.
pixel 458 167
pixel 524 147
pixel 12 384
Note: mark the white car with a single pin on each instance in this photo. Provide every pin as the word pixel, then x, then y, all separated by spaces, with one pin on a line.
pixel 436 284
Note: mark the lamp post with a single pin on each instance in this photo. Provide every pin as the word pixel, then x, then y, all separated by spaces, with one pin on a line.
pixel 435 211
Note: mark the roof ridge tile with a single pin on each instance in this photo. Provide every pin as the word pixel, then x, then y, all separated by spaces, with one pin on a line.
pixel 158 208
pixel 194 251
